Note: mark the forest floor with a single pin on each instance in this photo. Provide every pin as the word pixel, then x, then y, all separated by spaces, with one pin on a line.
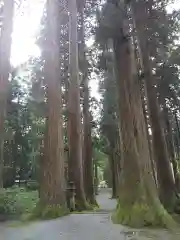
pixel 85 226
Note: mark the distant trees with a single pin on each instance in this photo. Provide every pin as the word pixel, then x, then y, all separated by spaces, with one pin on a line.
pixel 74 112
pixel 5 49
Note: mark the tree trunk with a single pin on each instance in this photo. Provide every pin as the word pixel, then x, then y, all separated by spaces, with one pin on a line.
pixel 171 147
pixel 113 173
pixel 74 113
pixel 117 159
pixel 114 162
pixel 52 184
pixel 5 51
pixel 87 141
pixel 96 180
pixel 149 143
pixel 177 134
pixel 139 66
pixel 88 161
pixel 138 204
pixel 164 173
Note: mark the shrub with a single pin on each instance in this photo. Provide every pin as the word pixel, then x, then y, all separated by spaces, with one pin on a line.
pixel 17 201
pixel 3 202
pixel 8 204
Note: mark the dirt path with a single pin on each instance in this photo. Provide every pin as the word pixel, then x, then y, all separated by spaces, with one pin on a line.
pixel 91 226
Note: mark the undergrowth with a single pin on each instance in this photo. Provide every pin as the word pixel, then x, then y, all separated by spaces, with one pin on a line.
pixel 15 202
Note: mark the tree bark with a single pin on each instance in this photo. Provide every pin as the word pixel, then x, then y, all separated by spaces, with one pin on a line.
pixel 5 51
pixel 74 113
pixel 164 173
pixel 138 199
pixel 171 147
pixel 87 140
pixel 143 92
pixel 52 184
pixel 96 180
pixel 113 173
pixel 114 162
pixel 149 143
pixel 177 134
pixel 88 161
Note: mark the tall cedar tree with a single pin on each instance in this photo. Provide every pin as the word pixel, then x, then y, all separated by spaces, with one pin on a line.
pixel 164 173
pixel 74 112
pixel 52 186
pixel 110 115
pixel 87 138
pixel 139 203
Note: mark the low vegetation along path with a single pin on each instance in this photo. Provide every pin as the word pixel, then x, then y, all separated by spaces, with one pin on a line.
pixel 86 226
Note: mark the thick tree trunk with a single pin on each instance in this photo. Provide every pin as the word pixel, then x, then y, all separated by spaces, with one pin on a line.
pixel 149 143
pixel 88 161
pixel 87 140
pixel 138 199
pixel 177 135
pixel 117 158
pixel 114 162
pixel 5 50
pixel 171 147
pixel 52 184
pixel 143 92
pixel 112 165
pixel 74 113
pixel 96 180
pixel 164 173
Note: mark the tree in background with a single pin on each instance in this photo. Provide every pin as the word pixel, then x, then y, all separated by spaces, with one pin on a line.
pixel 87 148
pixel 74 112
pixel 110 114
pixel 5 48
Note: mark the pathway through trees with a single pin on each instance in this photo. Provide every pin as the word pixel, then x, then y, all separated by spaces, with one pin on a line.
pixel 86 226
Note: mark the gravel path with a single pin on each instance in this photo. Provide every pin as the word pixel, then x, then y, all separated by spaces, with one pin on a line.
pixel 92 226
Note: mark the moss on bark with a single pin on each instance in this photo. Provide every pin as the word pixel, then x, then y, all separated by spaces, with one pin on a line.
pixel 49 211
pixel 140 215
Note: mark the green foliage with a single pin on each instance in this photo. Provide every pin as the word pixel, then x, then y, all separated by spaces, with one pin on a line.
pixel 24 126
pixel 4 206
pixel 16 202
